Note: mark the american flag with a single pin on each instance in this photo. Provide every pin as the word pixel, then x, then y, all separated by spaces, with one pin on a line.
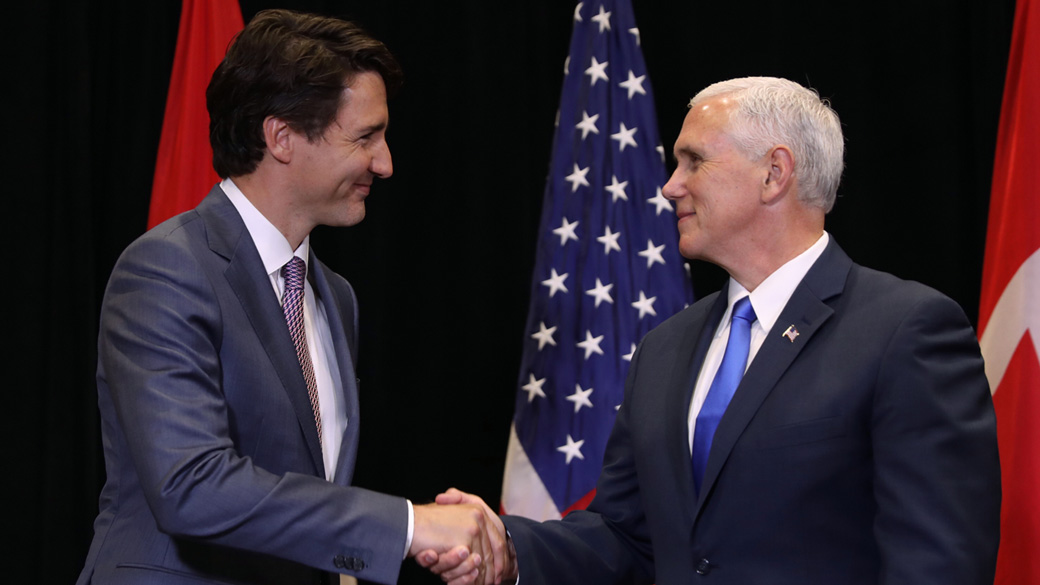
pixel 607 269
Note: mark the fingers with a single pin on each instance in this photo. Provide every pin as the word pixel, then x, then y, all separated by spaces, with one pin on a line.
pixel 468 570
pixel 493 540
pixel 487 568
pixel 488 559
pixel 427 559
pixel 449 565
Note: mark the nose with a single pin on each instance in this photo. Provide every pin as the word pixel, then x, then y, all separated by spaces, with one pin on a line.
pixel 382 164
pixel 673 188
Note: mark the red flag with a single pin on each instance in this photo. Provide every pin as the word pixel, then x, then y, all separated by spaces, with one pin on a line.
pixel 1009 308
pixel 184 168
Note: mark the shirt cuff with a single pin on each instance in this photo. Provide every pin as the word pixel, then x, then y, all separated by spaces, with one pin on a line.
pixel 411 529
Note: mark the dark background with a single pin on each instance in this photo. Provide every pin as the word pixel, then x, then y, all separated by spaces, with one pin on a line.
pixel 442 263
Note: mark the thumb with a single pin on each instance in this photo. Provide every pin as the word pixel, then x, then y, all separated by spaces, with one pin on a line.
pixel 452 496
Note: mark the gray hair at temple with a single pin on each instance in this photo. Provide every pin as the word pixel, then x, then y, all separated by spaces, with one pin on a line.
pixel 771 111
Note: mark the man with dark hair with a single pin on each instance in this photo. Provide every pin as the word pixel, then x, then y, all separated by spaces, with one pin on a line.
pixel 226 377
pixel 813 423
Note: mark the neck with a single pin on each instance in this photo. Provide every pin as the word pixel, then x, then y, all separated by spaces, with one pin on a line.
pixel 770 256
pixel 273 201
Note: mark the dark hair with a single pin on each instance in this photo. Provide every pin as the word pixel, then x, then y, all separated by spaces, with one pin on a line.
pixel 289 65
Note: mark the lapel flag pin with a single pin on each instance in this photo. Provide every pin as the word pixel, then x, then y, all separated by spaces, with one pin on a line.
pixel 791 333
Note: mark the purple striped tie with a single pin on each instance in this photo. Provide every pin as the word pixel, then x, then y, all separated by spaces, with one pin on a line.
pixel 295 273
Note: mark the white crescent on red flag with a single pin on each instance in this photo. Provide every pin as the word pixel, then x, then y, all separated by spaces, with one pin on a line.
pixel 1009 307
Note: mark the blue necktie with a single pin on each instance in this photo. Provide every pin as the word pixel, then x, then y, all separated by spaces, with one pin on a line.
pixel 734 362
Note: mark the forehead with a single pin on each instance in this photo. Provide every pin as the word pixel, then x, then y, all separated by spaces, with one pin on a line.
pixel 363 102
pixel 705 123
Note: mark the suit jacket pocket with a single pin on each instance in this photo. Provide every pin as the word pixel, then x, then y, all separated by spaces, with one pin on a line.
pixel 801 433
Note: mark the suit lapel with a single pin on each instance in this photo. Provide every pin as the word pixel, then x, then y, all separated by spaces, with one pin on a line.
pixel 694 343
pixel 807 311
pixel 340 311
pixel 245 274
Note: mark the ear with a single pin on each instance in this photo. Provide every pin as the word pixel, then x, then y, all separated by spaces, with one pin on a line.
pixel 780 174
pixel 278 137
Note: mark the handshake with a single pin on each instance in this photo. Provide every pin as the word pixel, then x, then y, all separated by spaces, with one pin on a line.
pixel 463 541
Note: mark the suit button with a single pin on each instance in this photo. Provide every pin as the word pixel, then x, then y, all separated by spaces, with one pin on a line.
pixel 355 564
pixel 340 561
pixel 703 567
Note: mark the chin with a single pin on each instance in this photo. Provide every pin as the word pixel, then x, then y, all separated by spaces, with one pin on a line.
pixel 352 217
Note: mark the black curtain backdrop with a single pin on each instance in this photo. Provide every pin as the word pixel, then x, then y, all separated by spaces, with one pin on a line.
pixel 442 264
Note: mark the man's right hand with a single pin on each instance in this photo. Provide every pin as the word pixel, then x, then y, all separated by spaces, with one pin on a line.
pixel 452 566
pixel 459 534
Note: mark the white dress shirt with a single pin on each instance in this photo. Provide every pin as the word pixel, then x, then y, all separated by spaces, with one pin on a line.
pixel 768 300
pixel 275 253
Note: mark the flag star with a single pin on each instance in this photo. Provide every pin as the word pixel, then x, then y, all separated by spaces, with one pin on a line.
pixel 652 253
pixel 609 240
pixel 628 356
pixel 624 137
pixel 533 388
pixel 587 124
pixel 633 84
pixel 566 231
pixel 617 190
pixel 577 12
pixel 577 178
pixel 555 282
pixel 645 305
pixel 580 398
pixel 572 449
pixel 660 151
pixel 635 31
pixel 591 344
pixel 601 292
pixel 544 335
pixel 659 200
pixel 603 19
pixel 597 71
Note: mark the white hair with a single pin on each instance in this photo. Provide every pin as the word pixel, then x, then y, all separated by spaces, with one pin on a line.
pixel 770 111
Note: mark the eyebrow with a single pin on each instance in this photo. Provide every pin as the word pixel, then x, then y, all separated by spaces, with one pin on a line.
pixel 372 128
pixel 687 151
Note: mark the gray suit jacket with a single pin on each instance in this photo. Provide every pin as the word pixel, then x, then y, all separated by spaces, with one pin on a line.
pixel 214 470
pixel 863 451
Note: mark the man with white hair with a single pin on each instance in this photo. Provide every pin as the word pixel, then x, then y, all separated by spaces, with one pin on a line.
pixel 814 422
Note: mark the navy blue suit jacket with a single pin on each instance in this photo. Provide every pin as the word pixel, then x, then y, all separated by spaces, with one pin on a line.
pixel 214 469
pixel 863 451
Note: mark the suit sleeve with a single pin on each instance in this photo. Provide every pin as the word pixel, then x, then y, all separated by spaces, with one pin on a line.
pixel 937 477
pixel 607 543
pixel 159 344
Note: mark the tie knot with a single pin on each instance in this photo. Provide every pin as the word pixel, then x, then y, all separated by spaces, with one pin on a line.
pixel 742 309
pixel 294 272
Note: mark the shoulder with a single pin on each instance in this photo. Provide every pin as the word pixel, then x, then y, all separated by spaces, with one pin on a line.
pixel 887 296
pixel 170 239
pixel 165 267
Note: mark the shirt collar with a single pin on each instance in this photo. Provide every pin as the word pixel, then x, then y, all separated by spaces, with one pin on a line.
pixel 771 296
pixel 270 243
